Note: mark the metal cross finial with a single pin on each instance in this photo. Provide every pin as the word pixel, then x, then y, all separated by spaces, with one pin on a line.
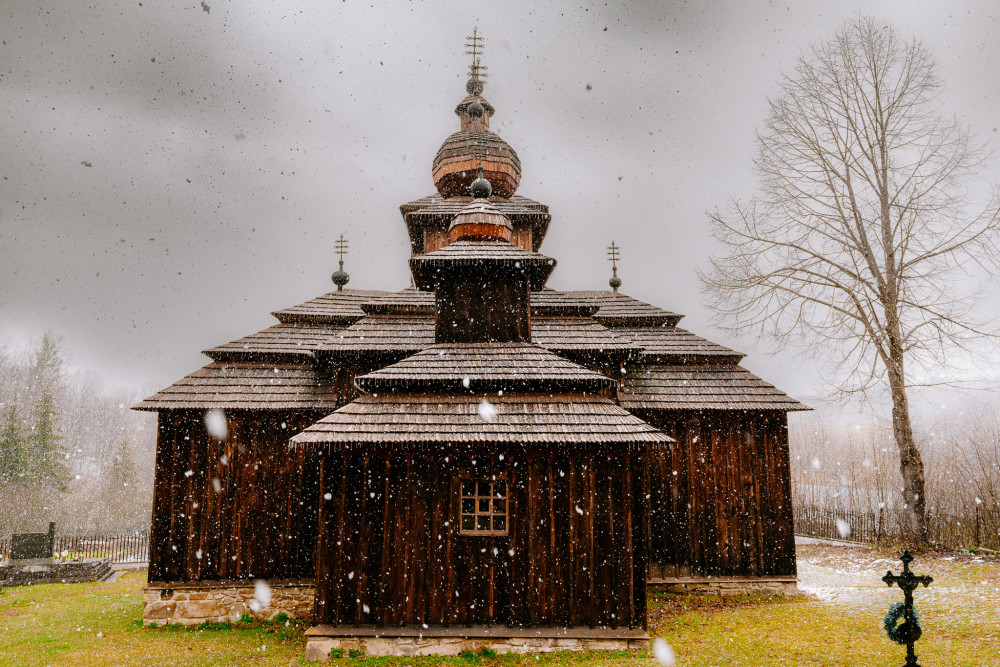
pixel 614 258
pixel 475 46
pixel 343 245
pixel 908 581
pixel 340 277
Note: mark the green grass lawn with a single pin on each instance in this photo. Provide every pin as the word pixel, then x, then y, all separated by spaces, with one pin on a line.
pixel 839 624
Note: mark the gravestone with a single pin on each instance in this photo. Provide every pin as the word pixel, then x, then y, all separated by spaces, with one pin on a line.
pixel 31 562
pixel 33 546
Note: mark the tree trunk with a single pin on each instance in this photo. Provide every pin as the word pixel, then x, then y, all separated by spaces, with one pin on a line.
pixel 911 464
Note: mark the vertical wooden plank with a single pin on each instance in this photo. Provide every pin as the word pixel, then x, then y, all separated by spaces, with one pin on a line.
pixel 159 534
pixel 572 566
pixel 592 612
pixel 628 508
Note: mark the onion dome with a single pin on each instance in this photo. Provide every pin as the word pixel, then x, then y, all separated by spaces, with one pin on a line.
pixel 454 167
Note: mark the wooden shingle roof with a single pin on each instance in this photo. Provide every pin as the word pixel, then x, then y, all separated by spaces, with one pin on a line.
pixel 609 308
pixel 484 367
pixel 436 211
pixel 614 309
pixel 409 301
pixel 246 386
pixel 411 333
pixel 477 253
pixel 678 346
pixel 291 340
pixel 691 387
pixel 455 418
pixel 334 307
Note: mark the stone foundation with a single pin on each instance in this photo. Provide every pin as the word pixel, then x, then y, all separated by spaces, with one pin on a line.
pixel 786 586
pixel 218 602
pixel 413 640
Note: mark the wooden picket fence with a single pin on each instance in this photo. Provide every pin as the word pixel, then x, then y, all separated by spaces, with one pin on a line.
pixel 976 530
pixel 127 548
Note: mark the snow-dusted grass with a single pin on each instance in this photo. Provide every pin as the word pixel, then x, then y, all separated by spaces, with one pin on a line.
pixel 837 622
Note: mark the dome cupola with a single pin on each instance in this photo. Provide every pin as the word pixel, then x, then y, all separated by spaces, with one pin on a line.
pixel 454 167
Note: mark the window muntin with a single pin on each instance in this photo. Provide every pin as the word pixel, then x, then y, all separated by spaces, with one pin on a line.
pixel 483 507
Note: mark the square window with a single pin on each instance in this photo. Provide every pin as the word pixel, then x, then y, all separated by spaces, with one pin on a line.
pixel 483 507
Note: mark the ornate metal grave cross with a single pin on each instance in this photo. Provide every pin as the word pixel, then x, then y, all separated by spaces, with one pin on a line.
pixel 909 631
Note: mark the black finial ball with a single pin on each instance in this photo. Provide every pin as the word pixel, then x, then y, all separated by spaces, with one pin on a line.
pixel 340 278
pixel 476 109
pixel 615 283
pixel 481 188
pixel 474 86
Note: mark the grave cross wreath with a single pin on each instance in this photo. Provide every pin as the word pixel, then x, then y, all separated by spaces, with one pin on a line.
pixel 893 628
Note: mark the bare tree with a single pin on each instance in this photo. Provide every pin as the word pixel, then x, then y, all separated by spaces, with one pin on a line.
pixel 862 236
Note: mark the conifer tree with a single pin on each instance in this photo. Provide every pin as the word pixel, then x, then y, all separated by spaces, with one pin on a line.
pixel 121 497
pixel 46 464
pixel 12 449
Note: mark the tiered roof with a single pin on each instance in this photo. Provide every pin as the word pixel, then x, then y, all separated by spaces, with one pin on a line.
pixel 247 385
pixel 668 368
pixel 434 419
pixel 484 367
pixel 722 387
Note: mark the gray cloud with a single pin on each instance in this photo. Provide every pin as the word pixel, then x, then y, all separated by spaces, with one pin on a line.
pixel 222 171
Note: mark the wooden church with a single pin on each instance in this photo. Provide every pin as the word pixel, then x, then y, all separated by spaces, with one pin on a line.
pixel 474 461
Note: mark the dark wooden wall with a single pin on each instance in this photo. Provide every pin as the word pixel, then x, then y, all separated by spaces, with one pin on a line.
pixel 482 306
pixel 720 498
pixel 260 523
pixel 390 552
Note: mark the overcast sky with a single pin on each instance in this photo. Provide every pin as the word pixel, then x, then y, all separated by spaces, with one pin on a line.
pixel 174 171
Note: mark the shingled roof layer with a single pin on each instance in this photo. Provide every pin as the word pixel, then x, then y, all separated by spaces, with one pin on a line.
pixel 406 333
pixel 294 339
pixel 334 307
pixel 678 346
pixel 435 210
pixel 614 309
pixel 610 309
pixel 448 418
pixel 246 386
pixel 473 253
pixel 484 367
pixel 722 387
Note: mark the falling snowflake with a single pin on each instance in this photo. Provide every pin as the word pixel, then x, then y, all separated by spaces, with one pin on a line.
pixel 843 528
pixel 261 596
pixel 215 423
pixel 664 654
pixel 487 410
